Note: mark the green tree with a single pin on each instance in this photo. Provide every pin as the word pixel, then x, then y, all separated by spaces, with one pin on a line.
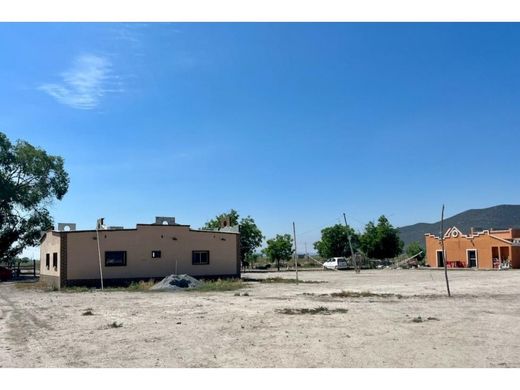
pixel 334 241
pixel 215 222
pixel 30 179
pixel 381 241
pixel 414 248
pixel 279 248
pixel 250 235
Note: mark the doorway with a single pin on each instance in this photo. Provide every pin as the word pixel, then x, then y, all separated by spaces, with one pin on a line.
pixel 472 258
pixel 440 259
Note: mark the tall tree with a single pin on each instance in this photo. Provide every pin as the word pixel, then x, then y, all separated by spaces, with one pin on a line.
pixel 334 241
pixel 30 179
pixel 250 235
pixel 381 241
pixel 279 248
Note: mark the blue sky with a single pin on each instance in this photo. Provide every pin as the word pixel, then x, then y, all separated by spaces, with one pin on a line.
pixel 283 122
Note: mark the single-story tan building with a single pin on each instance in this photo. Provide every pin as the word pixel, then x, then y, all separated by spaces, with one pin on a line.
pixel 150 251
pixel 485 249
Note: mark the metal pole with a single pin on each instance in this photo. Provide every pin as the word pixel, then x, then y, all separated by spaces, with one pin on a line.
pixel 350 244
pixel 295 252
pixel 99 257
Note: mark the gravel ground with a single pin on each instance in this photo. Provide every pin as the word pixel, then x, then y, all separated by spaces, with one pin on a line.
pixel 477 327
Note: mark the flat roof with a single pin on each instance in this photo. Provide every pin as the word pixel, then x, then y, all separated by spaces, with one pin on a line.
pixel 144 224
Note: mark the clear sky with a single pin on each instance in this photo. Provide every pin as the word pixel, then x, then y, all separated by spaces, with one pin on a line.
pixel 283 122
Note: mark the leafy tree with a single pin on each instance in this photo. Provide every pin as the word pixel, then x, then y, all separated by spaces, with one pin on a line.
pixel 215 222
pixel 381 241
pixel 279 248
pixel 414 248
pixel 30 179
pixel 334 241
pixel 250 235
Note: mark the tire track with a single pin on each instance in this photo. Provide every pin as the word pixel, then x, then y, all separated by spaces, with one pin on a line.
pixel 20 329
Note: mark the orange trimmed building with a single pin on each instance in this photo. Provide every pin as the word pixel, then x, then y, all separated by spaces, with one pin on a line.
pixel 485 249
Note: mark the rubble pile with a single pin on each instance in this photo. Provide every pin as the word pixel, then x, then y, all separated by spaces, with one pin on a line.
pixel 176 282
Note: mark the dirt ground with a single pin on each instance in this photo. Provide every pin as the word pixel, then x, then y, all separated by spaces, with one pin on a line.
pixel 477 327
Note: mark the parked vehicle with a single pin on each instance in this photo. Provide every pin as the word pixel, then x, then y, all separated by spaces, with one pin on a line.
pixel 5 274
pixel 336 263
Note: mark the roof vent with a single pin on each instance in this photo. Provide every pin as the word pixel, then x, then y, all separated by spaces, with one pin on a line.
pixel 165 221
pixel 66 227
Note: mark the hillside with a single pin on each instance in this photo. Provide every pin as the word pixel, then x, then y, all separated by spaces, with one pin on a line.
pixel 497 217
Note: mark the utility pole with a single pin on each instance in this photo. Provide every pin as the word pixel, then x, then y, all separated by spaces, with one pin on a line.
pixel 357 268
pixel 444 259
pixel 295 252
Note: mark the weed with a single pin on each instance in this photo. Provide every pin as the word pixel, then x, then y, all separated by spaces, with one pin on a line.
pixel 115 325
pixel 420 319
pixel 76 289
pixel 220 285
pixel 88 312
pixel 317 310
pixel 37 285
pixel 141 285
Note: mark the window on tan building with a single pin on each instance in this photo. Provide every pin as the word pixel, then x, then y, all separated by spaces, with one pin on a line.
pixel 115 259
pixel 55 261
pixel 200 258
pixel 47 260
pixel 156 254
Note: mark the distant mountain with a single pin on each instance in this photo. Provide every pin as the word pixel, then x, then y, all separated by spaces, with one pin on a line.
pixel 497 217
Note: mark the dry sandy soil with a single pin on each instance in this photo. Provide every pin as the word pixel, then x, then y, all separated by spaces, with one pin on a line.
pixel 477 327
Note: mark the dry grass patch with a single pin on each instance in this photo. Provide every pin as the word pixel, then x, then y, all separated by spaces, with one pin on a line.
pixel 37 285
pixel 318 310
pixel 363 294
pixel 279 279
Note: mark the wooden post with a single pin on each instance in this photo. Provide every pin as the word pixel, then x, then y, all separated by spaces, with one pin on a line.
pixel 357 268
pixel 295 252
pixel 444 258
pixel 99 223
pixel 34 268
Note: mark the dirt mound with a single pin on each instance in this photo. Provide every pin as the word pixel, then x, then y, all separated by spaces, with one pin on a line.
pixel 176 282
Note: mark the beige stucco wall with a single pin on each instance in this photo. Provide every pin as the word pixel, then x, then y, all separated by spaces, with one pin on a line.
pixel 82 252
pixel 51 244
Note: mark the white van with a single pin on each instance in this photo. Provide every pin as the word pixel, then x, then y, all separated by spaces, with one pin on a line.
pixel 336 263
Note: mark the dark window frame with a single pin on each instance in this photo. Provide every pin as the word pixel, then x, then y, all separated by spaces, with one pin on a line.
pixel 156 254
pixel 195 254
pixel 55 260
pixel 47 260
pixel 107 253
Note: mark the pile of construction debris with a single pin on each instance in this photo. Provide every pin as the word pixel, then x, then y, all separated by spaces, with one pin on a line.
pixel 176 282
